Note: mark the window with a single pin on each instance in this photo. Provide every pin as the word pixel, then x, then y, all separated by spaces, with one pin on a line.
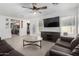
pixel 67 25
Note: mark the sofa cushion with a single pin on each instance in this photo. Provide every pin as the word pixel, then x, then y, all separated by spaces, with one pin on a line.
pixel 74 43
pixel 64 44
pixel 61 49
pixel 57 53
pixel 0 38
pixel 75 51
pixel 4 48
pixel 0 41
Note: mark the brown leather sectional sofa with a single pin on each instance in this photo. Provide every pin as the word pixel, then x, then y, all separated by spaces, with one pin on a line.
pixel 7 50
pixel 65 47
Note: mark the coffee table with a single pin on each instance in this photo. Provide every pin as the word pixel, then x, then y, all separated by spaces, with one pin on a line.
pixel 32 41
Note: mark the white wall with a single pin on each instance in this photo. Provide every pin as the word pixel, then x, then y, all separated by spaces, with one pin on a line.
pixel 4 32
pixel 34 26
pixel 23 31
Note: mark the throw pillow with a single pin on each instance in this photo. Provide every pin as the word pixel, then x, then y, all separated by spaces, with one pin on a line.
pixel 75 51
pixel 74 43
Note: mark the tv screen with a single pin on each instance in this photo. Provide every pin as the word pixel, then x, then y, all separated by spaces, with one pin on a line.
pixel 51 22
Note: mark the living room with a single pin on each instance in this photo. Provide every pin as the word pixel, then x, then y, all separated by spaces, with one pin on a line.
pixel 39 29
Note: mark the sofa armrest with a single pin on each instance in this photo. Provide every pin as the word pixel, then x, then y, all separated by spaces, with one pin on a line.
pixel 58 40
pixel 59 53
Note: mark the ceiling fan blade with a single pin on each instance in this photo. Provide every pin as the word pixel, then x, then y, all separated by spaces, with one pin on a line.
pixel 37 8
pixel 26 7
pixel 45 7
pixel 34 8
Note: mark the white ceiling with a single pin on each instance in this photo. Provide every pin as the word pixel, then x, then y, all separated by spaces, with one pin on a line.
pixel 15 9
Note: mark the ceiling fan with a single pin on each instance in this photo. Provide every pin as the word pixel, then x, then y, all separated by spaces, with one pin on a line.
pixel 35 8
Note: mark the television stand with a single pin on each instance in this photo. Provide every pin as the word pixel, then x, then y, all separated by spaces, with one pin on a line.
pixel 50 36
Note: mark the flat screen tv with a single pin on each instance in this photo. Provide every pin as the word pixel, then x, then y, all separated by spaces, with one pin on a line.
pixel 51 22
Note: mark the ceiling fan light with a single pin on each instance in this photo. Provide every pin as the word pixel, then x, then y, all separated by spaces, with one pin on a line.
pixel 34 13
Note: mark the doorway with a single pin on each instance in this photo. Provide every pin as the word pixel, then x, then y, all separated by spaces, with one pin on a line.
pixel 15 26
